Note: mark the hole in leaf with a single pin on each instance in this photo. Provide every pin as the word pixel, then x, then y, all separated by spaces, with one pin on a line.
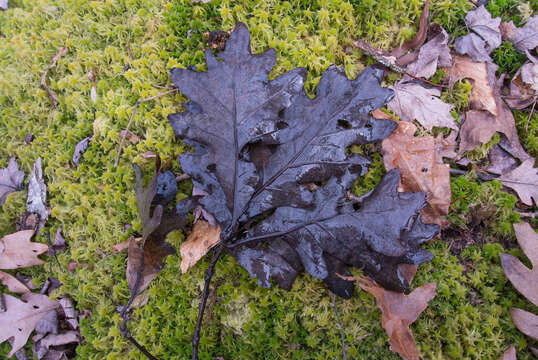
pixel 344 124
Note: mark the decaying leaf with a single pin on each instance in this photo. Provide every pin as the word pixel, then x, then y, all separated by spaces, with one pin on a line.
pixel 398 312
pixel 12 283
pixel 4 4
pixel 202 238
pixel 21 317
pixel 130 136
pixel 125 245
pixel 445 147
pixel 524 279
pixel 481 22
pixel 259 144
pixel 529 75
pixel 521 94
pixel 70 313
pixel 523 38
pixel 37 194
pixel 419 37
pixel 11 179
pixel 482 95
pixel 52 94
pixel 144 263
pixel 432 54
pixel 500 161
pixel 17 251
pixel 524 181
pixel 474 46
pixel 525 321
pixel 412 102
pixel 80 148
pixel 416 157
pixel 509 354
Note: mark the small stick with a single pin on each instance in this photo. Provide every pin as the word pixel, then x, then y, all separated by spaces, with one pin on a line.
pixel 53 96
pixel 530 116
pixel 344 357
pixel 53 252
pixel 127 334
pixel 131 55
pixel 132 118
pixel 207 278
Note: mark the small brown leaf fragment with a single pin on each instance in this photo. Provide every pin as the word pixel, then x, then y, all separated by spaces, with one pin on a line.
pixel 53 96
pixel 148 155
pixel 72 266
pixel 445 147
pixel 202 238
pixel 125 245
pixel 526 322
pixel 71 315
pixel 482 96
pixel 524 181
pixel 131 137
pixel 17 251
pixel 420 169
pixel 11 179
pixel 509 354
pixel 420 36
pixel 80 148
pixel 13 284
pixel 398 312
pixel 432 54
pixel 37 194
pixel 21 317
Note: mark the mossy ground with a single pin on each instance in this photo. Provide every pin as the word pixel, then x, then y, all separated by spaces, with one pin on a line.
pixel 467 320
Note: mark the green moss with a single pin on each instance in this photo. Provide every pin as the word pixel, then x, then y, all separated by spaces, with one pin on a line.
pixel 527 129
pixel 508 59
pixel 482 150
pixel 94 201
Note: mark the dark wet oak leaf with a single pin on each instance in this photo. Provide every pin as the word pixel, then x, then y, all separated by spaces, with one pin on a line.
pixel 260 144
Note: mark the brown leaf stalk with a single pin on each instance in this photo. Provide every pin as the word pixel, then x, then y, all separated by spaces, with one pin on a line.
pixel 53 96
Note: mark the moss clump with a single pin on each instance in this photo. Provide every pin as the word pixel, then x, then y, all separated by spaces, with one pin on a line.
pixel 508 59
pixel 94 201
pixel 528 131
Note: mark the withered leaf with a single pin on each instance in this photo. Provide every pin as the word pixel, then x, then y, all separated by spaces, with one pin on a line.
pixel 500 161
pixel 21 317
pixel 509 354
pixel 432 54
pixel 12 283
pixel 4 4
pixel 80 148
pixel 202 238
pixel 398 312
pixel 11 179
pixel 420 36
pixel 260 144
pixel 529 75
pixel 523 38
pixel 17 251
pixel 526 322
pixel 521 94
pixel 482 95
pixel 414 102
pixel 37 194
pixel 144 263
pixel 474 46
pixel 130 136
pixel 524 279
pixel 445 147
pixel 416 157
pixel 524 180
pixel 481 22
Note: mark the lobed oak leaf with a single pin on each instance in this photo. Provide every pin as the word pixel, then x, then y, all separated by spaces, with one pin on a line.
pixel 22 317
pixel 474 46
pixel 11 179
pixel 481 22
pixel 260 144
pixel 13 284
pixel 17 251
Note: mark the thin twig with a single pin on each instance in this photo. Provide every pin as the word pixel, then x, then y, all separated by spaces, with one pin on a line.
pixel 132 118
pixel 53 96
pixel 53 252
pixel 344 357
pixel 424 80
pixel 530 115
pixel 207 278
pixel 131 55
pixel 127 334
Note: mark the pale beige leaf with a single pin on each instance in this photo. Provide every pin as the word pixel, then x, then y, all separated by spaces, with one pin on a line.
pixel 509 354
pixel 526 322
pixel 524 181
pixel 17 251
pixel 202 238
pixel 21 317
pixel 13 284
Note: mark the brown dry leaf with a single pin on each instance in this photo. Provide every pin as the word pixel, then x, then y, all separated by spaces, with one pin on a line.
pixel 17 251
pixel 526 322
pixel 521 95
pixel 131 137
pixel 202 238
pixel 53 96
pixel 432 54
pixel 21 317
pixel 523 38
pixel 500 161
pixel 414 102
pixel 509 354
pixel 524 181
pixel 125 245
pixel 398 312
pixel 148 155
pixel 524 279
pixel 420 169
pixel 13 284
pixel 419 37
pixel 482 95
pixel 445 147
